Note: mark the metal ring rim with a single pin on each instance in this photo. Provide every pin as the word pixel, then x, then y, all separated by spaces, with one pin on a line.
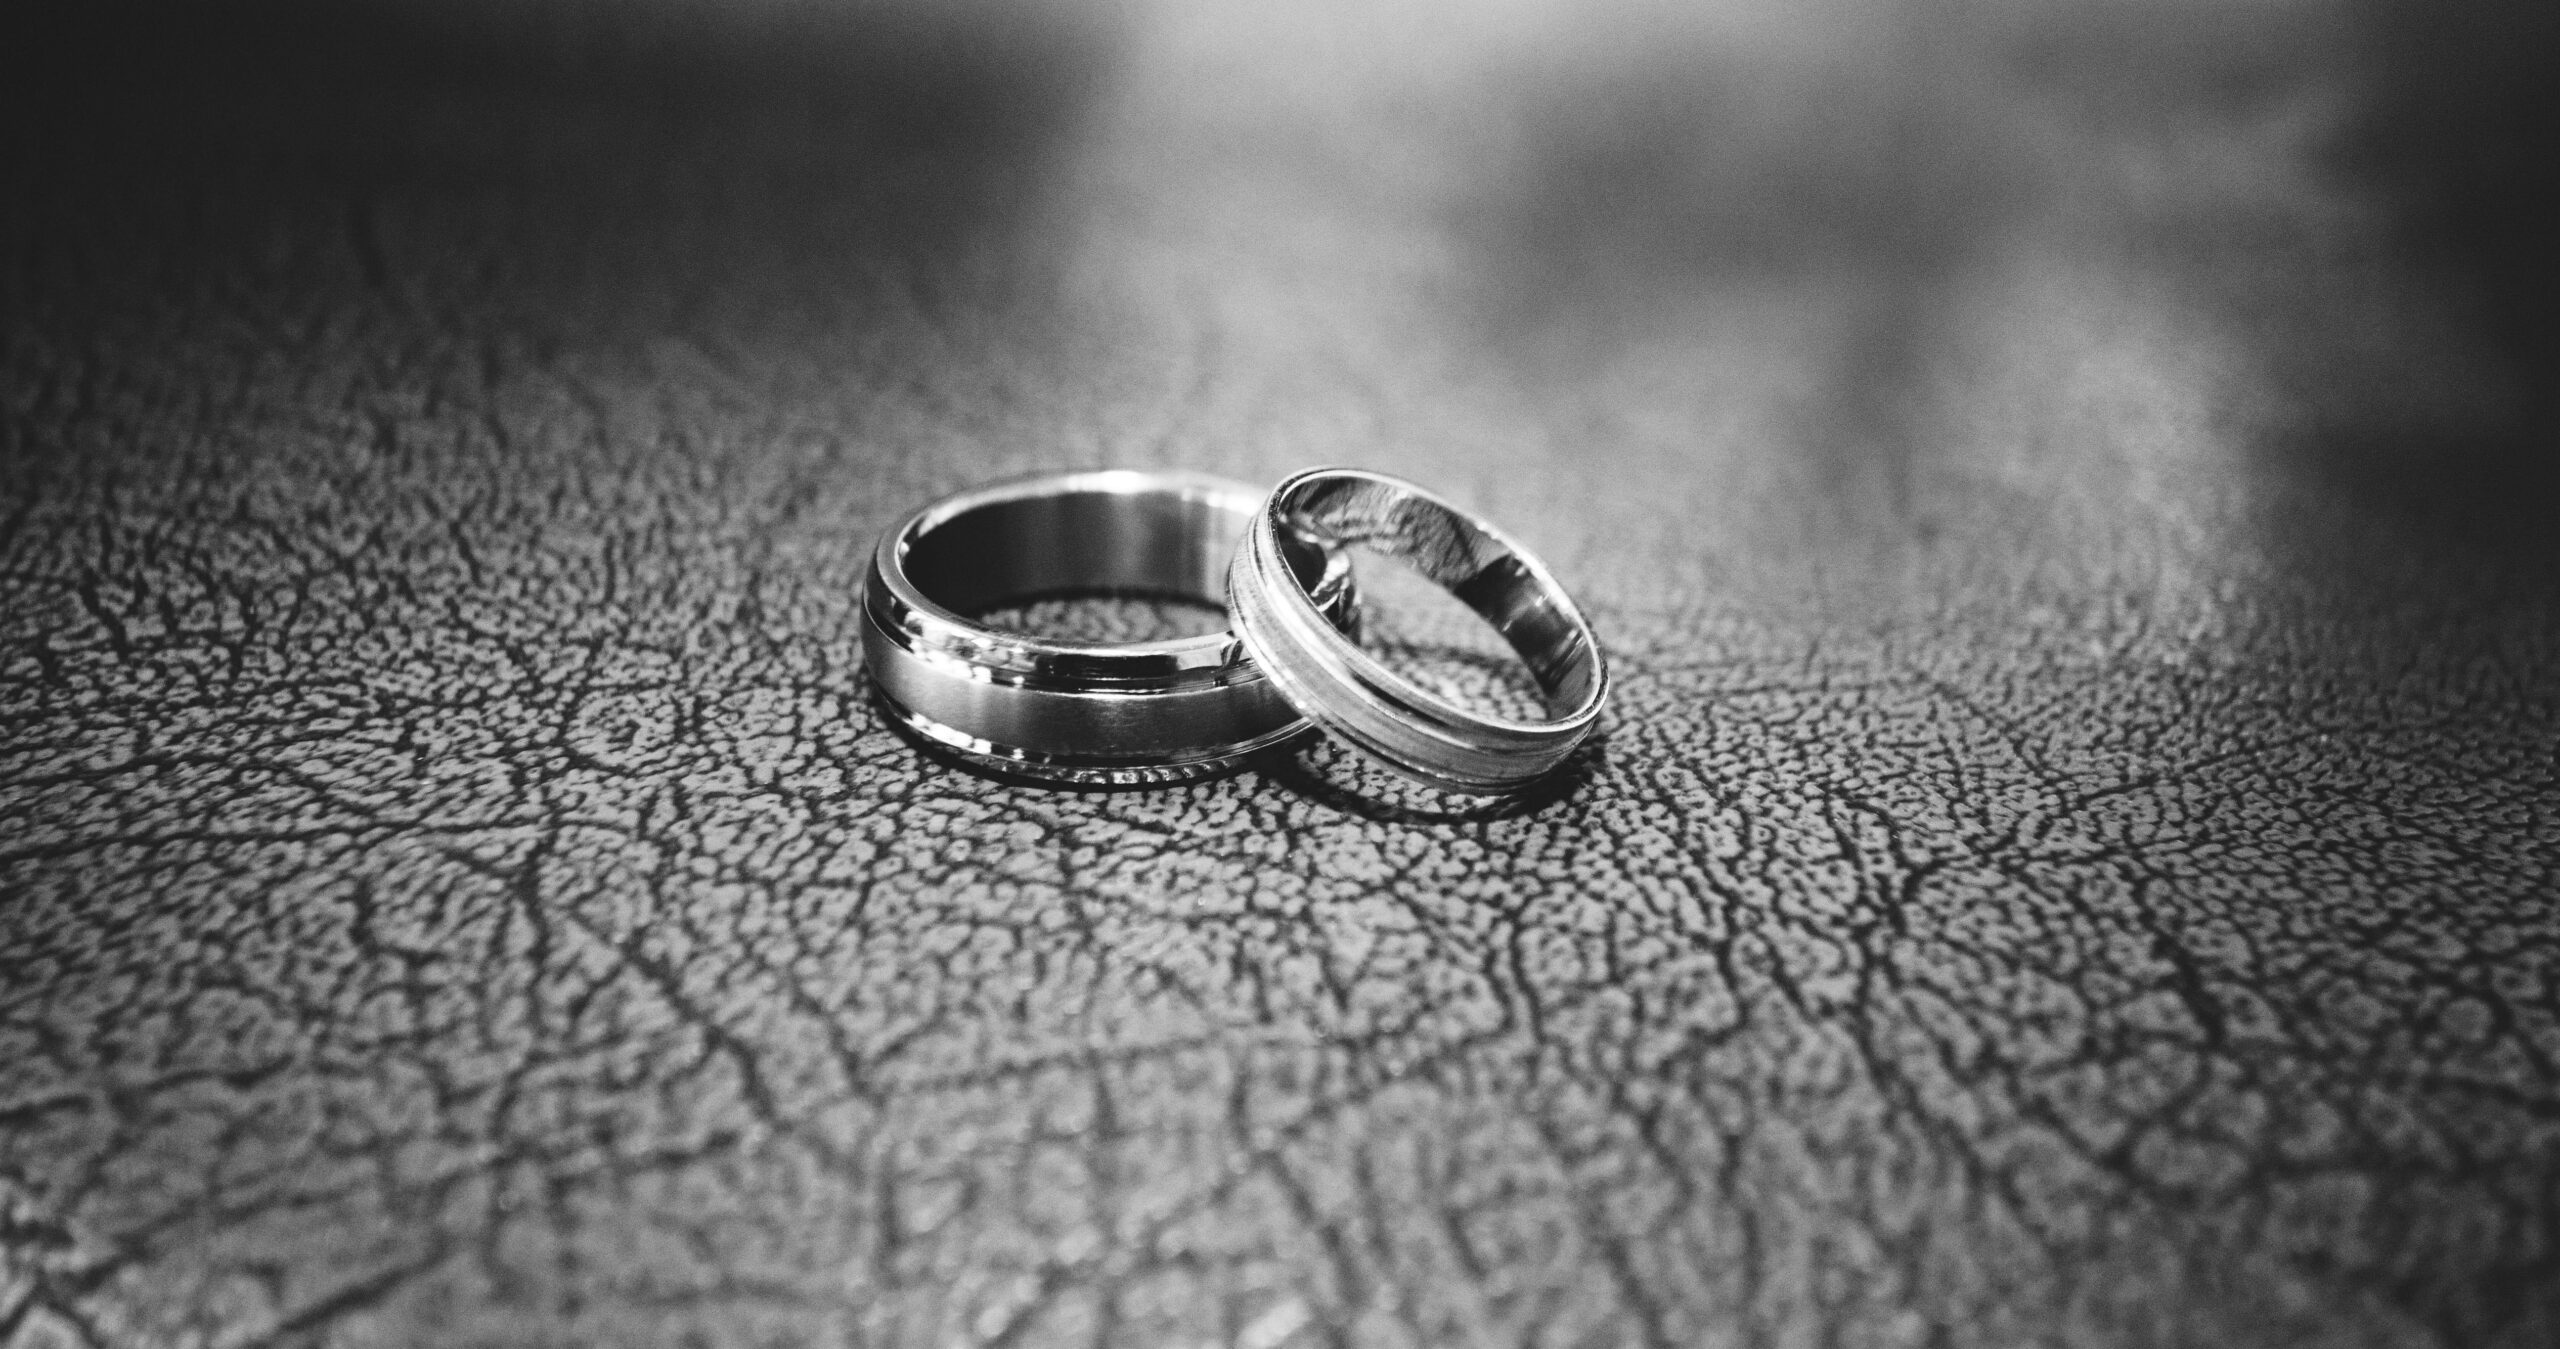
pixel 1351 694
pixel 907 636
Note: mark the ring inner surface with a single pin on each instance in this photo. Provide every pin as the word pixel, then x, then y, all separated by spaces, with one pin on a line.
pixel 1462 558
pixel 1083 543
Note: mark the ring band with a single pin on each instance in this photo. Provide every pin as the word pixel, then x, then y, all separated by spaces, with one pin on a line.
pixel 1351 694
pixel 1118 713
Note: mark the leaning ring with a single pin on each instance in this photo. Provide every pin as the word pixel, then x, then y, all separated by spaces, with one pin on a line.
pixel 1115 713
pixel 1349 693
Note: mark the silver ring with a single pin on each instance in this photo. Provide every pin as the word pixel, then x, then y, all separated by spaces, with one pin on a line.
pixel 1351 694
pixel 1117 713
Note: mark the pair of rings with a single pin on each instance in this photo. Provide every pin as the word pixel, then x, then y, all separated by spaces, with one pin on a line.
pixel 1187 707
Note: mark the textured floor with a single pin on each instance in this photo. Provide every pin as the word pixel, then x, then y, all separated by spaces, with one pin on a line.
pixel 2073 859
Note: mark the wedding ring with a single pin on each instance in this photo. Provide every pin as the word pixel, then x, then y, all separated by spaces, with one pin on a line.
pixel 1349 693
pixel 1118 713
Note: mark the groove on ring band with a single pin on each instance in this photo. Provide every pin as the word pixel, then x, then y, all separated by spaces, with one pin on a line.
pixel 1350 693
pixel 1089 712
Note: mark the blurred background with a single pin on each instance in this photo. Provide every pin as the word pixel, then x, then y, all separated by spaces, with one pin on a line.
pixel 1891 267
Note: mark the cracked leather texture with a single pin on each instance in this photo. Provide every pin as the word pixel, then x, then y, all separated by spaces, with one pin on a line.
pixel 2071 860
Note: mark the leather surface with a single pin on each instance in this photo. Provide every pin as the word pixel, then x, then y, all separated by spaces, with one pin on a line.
pixel 2067 494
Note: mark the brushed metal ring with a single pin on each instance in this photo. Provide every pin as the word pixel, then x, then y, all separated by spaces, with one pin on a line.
pixel 1349 693
pixel 1128 713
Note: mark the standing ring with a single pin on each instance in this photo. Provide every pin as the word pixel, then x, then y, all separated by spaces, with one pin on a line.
pixel 1117 713
pixel 1348 692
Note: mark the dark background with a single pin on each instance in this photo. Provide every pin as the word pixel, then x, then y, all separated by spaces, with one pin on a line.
pixel 2067 491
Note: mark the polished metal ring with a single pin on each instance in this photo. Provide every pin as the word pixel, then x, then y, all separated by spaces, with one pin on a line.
pixel 1349 693
pixel 1119 713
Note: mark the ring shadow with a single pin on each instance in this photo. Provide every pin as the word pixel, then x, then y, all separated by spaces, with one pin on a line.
pixel 1353 788
pixel 1359 789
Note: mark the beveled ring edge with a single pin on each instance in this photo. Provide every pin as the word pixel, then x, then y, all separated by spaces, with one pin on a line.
pixel 1318 674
